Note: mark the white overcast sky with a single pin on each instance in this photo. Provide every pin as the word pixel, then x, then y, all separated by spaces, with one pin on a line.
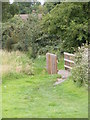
pixel 42 1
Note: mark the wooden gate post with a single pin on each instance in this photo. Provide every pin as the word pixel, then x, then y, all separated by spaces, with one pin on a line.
pixel 51 61
pixel 48 63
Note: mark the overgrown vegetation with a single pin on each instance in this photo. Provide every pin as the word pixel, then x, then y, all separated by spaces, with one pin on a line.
pixel 80 71
pixel 16 62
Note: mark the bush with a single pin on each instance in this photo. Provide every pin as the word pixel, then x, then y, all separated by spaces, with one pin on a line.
pixel 80 71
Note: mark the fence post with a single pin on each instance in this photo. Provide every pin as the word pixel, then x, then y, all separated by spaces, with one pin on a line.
pixel 51 61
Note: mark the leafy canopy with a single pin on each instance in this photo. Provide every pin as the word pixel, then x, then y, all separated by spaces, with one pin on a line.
pixel 70 22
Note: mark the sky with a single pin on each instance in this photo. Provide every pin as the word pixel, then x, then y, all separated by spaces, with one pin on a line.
pixel 42 1
pixel 11 1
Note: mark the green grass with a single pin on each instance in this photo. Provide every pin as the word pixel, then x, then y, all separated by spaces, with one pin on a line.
pixel 61 63
pixel 36 97
pixel 0 102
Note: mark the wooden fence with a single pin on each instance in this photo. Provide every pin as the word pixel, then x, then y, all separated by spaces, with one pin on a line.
pixel 51 60
pixel 69 61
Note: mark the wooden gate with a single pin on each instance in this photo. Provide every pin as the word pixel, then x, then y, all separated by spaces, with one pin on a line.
pixel 51 61
pixel 69 60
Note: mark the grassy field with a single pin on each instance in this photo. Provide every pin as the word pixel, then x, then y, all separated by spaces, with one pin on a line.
pixel 35 96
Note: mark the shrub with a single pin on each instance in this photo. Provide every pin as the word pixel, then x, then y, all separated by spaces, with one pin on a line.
pixel 80 71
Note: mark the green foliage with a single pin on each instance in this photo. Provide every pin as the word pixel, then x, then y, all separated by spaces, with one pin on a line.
pixel 21 35
pixel 27 7
pixel 48 43
pixel 10 32
pixel 8 11
pixel 24 7
pixel 63 27
pixel 34 32
pixel 70 22
pixel 80 71
pixel 48 6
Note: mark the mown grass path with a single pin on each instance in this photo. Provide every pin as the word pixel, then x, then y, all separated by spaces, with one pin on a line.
pixel 36 97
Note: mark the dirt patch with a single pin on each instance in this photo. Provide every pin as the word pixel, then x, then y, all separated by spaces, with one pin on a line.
pixel 65 74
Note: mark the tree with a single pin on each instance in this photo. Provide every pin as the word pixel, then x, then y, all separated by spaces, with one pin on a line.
pixel 27 7
pixel 48 6
pixel 70 22
pixel 10 32
pixel 8 11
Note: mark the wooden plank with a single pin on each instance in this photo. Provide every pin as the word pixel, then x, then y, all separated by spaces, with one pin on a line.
pixel 50 64
pixel 47 62
pixel 69 54
pixel 55 64
pixel 52 69
pixel 69 60
pixel 67 67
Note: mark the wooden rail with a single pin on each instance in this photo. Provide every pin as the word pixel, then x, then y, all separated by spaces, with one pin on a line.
pixel 69 60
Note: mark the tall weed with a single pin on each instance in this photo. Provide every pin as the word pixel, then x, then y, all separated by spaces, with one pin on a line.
pixel 16 62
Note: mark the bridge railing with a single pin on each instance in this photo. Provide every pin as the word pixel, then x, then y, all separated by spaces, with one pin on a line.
pixel 69 60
